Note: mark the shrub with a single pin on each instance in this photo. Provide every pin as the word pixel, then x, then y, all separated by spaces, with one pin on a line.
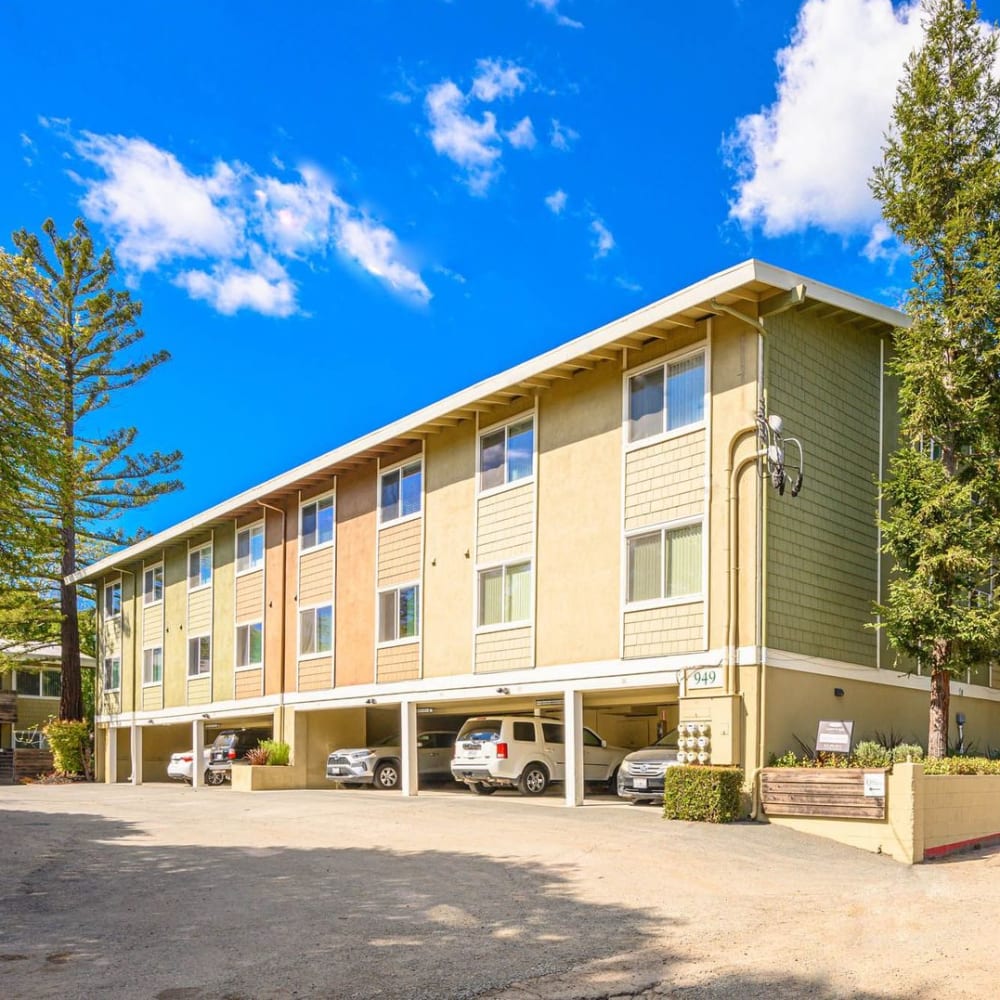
pixel 278 752
pixel 257 755
pixel 903 752
pixel 868 753
pixel 70 743
pixel 703 794
pixel 787 759
pixel 961 765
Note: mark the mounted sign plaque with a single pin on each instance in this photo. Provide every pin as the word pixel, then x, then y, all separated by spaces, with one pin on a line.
pixel 834 737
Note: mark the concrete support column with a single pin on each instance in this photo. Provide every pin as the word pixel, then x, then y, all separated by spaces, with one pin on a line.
pixel 408 747
pixel 135 752
pixel 573 734
pixel 111 754
pixel 198 748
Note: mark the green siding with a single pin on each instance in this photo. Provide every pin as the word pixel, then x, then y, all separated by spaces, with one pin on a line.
pixel 822 547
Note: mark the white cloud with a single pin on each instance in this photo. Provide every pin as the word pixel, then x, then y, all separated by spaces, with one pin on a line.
pixel 552 7
pixel 496 79
pixel 248 226
pixel 628 284
pixel 603 242
pixel 556 201
pixel 473 145
pixel 561 136
pixel 806 159
pixel 522 135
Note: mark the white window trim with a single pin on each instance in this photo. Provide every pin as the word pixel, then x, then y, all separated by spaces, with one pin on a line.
pixel 152 684
pixel 505 626
pixel 332 495
pixel 298 633
pixel 211 656
pixel 104 601
pixel 388 470
pixel 410 639
pixel 523 417
pixel 163 584
pixel 665 602
pixel 41 683
pixel 662 362
pixel 211 563
pixel 236 557
pixel 236 644
pixel 104 670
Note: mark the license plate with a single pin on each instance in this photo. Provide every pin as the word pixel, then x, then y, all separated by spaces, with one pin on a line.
pixel 337 770
pixel 642 783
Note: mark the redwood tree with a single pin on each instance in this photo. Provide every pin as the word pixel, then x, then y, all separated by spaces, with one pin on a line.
pixel 939 188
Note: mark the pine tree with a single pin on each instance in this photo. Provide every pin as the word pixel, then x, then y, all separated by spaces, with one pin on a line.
pixel 939 188
pixel 72 338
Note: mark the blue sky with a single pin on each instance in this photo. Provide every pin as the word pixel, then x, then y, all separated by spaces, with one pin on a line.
pixel 337 213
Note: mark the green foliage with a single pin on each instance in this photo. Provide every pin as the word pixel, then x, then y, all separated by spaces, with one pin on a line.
pixel 939 188
pixel 961 765
pixel 703 794
pixel 903 753
pixel 868 753
pixel 278 752
pixel 70 743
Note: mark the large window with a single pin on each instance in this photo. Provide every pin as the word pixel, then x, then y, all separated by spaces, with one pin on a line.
pixel 199 655
pixel 316 630
pixel 152 584
pixel 200 567
pixel 113 599
pixel 152 665
pixel 507 454
pixel 38 683
pixel 249 644
pixel 399 613
pixel 400 493
pixel 666 398
pixel 665 564
pixel 250 548
pixel 112 673
pixel 317 523
pixel 505 594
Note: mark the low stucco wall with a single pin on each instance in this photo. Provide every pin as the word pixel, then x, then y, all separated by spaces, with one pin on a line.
pixel 250 778
pixel 927 816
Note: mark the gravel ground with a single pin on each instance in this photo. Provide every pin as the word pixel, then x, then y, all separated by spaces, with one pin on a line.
pixel 165 892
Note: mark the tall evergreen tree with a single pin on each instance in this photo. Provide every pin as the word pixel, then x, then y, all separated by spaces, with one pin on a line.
pixel 939 187
pixel 73 338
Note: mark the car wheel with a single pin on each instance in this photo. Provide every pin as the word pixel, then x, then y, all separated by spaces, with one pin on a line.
pixel 480 789
pixel 215 777
pixel 387 775
pixel 534 780
pixel 613 782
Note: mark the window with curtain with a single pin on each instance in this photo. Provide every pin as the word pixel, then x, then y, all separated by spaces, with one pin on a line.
pixel 507 455
pixel 316 630
pixel 112 673
pixel 664 564
pixel 505 594
pixel 666 398
pixel 199 655
pixel 249 644
pixel 317 523
pixel 152 585
pixel 200 567
pixel 152 665
pixel 113 599
pixel 250 548
pixel 400 495
pixel 398 613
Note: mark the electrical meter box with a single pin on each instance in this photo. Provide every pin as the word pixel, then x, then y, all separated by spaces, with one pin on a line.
pixel 715 716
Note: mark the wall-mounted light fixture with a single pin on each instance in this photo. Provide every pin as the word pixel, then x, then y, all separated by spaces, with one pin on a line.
pixel 370 701
pixel 503 690
pixel 206 716
pixel 838 692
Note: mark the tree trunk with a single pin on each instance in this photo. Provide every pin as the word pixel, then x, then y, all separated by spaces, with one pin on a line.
pixel 71 701
pixel 937 738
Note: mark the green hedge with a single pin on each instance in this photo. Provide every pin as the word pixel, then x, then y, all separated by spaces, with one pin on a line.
pixel 70 743
pixel 961 765
pixel 702 793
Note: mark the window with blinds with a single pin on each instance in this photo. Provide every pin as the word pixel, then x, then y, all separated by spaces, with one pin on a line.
pixel 505 594
pixel 665 563
pixel 666 398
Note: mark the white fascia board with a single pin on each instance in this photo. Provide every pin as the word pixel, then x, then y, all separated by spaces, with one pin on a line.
pixel 693 296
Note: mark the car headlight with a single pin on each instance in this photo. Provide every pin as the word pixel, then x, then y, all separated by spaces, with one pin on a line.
pixel 360 755
pixel 626 767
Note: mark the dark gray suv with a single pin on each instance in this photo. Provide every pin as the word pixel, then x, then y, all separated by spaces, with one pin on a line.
pixel 231 745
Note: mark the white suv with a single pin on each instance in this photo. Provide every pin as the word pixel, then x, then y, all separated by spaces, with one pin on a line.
pixel 498 751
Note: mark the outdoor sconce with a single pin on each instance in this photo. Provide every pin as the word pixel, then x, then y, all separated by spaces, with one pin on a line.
pixel 838 692
pixel 370 701
pixel 503 690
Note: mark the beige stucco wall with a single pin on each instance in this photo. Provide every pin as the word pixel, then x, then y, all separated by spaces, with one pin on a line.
pixel 399 553
pixel 960 807
pixel 175 633
pixel 312 735
pixel 223 612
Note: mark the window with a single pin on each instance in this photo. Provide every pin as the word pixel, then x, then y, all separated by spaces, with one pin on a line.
pixel 664 564
pixel 552 732
pixel 152 585
pixel 199 655
pixel 250 548
pixel 399 614
pixel 152 665
pixel 505 594
pixel 249 644
pixel 28 683
pixel 30 739
pixel 200 567
pixel 112 673
pixel 524 732
pixel 316 630
pixel 666 398
pixel 400 493
pixel 507 455
pixel 51 683
pixel 113 599
pixel 317 523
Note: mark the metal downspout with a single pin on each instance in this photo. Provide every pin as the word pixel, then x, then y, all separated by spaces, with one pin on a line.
pixel 283 610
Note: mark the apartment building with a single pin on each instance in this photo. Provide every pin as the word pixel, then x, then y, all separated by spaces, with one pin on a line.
pixel 670 518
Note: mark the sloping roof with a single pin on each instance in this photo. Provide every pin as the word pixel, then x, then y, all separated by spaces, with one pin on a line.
pixel 37 655
pixel 743 287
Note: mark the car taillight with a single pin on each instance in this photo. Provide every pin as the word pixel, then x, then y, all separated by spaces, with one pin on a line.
pixel 231 755
pixel 187 758
pixel 501 751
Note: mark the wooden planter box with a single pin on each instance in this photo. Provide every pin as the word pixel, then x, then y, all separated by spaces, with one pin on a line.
pixel 836 792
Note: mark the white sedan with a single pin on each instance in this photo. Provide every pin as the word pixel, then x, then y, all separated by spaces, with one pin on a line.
pixel 179 767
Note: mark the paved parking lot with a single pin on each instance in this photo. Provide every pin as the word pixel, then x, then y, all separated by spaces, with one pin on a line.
pixel 165 892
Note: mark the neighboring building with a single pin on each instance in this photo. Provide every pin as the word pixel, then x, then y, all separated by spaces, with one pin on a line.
pixel 593 533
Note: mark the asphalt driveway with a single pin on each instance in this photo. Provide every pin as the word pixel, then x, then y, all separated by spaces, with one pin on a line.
pixel 164 892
